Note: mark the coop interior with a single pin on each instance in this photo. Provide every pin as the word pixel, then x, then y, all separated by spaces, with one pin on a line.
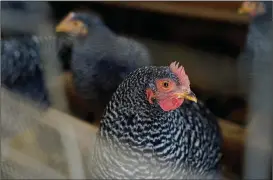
pixel 205 37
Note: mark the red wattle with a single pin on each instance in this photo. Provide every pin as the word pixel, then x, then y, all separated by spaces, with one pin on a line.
pixel 169 104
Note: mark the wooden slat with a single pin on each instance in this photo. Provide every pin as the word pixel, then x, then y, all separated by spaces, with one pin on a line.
pixel 234 143
pixel 225 5
pixel 221 11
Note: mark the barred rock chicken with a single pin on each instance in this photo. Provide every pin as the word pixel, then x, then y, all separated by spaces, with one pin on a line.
pixel 100 58
pixel 259 38
pixel 152 129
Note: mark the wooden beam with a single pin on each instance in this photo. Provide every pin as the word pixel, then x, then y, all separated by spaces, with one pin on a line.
pixel 220 11
pixel 234 142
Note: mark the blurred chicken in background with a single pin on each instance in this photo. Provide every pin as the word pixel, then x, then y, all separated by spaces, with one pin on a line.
pixel 258 43
pixel 21 68
pixel 100 58
pixel 258 54
pixel 259 38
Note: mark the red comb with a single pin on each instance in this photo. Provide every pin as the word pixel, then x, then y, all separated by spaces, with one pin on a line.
pixel 180 73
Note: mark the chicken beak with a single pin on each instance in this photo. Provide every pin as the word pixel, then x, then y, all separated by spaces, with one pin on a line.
pixel 190 96
pixel 243 10
pixel 65 25
pixel 253 10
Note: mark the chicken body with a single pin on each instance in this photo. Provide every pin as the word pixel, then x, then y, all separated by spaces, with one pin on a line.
pixel 21 68
pixel 138 139
pixel 99 67
pixel 258 43
pixel 101 59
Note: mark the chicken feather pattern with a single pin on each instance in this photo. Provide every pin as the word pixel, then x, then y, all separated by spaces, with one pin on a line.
pixel 138 140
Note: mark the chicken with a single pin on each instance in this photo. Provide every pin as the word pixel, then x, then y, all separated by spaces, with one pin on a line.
pixel 100 58
pixel 259 37
pixel 21 70
pixel 258 53
pixel 21 67
pixel 153 127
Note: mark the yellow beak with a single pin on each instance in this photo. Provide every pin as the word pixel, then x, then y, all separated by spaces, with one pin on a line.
pixel 190 96
pixel 68 27
pixel 255 8
pixel 63 27
pixel 243 10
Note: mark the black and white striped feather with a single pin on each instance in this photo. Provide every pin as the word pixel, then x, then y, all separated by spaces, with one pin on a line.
pixel 139 140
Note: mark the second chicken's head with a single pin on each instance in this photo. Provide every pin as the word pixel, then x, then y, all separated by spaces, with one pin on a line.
pixel 253 8
pixel 79 23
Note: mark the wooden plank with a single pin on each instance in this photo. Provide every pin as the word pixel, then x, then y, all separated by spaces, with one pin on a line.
pixel 27 162
pixel 226 5
pixel 234 142
pixel 226 11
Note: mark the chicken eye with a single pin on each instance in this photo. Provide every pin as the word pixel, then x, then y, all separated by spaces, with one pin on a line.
pixel 165 84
